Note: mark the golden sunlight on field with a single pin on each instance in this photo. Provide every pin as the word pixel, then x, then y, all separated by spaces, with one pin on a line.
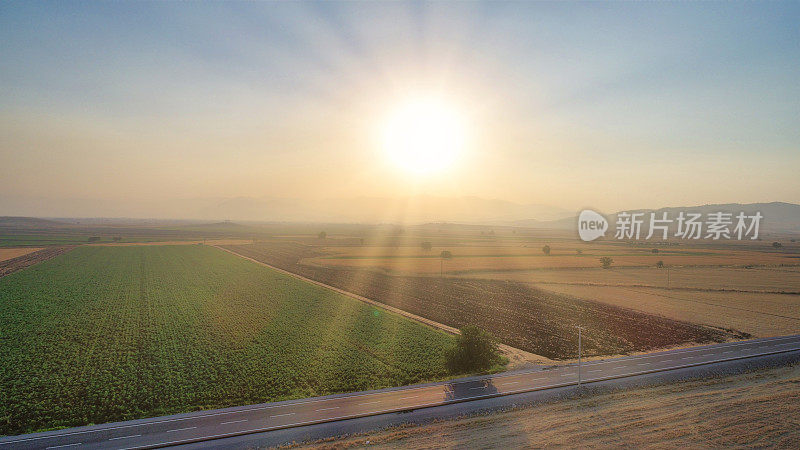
pixel 503 258
pixel 761 315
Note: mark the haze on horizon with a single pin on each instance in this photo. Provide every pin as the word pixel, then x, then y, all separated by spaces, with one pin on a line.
pixel 127 109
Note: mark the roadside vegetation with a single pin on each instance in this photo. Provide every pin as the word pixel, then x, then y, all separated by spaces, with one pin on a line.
pixel 475 350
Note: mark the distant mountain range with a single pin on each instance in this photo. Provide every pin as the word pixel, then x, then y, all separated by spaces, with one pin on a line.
pixel 779 217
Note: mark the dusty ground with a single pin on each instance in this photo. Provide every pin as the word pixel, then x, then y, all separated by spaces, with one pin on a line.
pixel 758 409
pixel 761 315
pixel 11 253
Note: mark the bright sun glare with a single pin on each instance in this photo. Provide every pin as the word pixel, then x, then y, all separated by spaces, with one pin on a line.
pixel 424 136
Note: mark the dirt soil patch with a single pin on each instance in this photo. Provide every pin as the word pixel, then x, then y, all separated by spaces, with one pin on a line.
pixel 11 253
pixel 28 259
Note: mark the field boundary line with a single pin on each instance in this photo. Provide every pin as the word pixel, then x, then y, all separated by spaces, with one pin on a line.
pixel 429 322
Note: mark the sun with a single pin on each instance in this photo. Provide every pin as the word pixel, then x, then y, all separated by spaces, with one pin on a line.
pixel 424 136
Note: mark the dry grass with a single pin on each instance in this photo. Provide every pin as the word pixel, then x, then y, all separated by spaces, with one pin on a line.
pixel 756 279
pixel 502 257
pixel 11 253
pixel 761 315
pixel 755 410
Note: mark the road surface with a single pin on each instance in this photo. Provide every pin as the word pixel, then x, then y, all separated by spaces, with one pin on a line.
pixel 227 423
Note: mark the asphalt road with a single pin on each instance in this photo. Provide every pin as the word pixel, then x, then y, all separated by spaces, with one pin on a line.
pixel 231 422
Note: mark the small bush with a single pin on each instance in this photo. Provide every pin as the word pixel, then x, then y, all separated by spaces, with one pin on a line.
pixel 475 350
pixel 605 261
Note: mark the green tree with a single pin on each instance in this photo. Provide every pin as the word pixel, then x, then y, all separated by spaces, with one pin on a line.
pixel 546 250
pixel 427 246
pixel 655 250
pixel 660 264
pixel 777 244
pixel 475 350
pixel 605 261
pixel 322 235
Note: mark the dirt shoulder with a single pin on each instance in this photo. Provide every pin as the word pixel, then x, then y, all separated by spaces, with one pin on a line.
pixel 755 409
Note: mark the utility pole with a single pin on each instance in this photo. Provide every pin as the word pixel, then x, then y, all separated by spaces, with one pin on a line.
pixel 667 277
pixel 580 350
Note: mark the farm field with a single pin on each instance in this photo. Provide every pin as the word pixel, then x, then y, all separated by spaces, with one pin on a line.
pixel 521 316
pixel 758 314
pixel 510 256
pixel 119 333
pixel 755 409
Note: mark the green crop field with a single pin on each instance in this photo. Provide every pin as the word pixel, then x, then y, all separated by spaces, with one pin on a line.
pixel 113 333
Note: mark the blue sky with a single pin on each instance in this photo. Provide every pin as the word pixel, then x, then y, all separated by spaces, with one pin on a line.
pixel 699 102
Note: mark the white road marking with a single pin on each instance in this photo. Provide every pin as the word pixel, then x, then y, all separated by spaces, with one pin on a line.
pixel 234 421
pixel 596 370
pixel 406 398
pixel 327 409
pixel 643 364
pixel 65 445
pixel 281 415
pixel 568 374
pixel 729 351
pixel 181 429
pixel 369 403
pixel 509 382
pixel 124 437
pixel 479 387
pixel 666 360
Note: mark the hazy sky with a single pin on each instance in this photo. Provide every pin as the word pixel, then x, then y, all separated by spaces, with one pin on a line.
pixel 616 106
